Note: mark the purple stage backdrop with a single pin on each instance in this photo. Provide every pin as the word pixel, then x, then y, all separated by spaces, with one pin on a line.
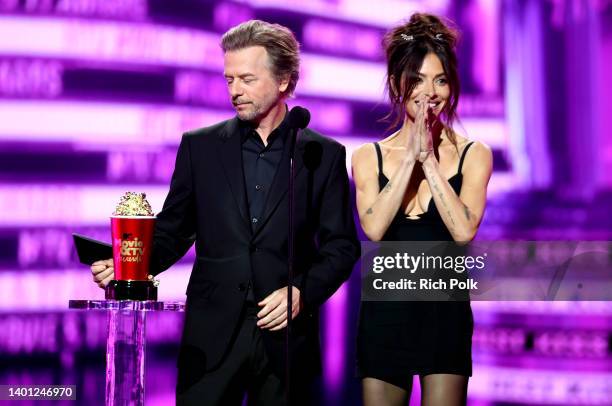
pixel 94 97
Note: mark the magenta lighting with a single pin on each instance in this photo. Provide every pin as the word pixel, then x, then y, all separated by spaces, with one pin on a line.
pixel 95 96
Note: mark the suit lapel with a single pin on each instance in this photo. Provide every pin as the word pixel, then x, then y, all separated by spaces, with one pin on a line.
pixel 280 184
pixel 230 155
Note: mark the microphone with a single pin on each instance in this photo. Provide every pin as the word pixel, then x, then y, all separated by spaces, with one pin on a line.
pixel 299 117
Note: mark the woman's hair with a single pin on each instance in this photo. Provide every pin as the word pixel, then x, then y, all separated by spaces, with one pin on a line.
pixel 280 43
pixel 405 48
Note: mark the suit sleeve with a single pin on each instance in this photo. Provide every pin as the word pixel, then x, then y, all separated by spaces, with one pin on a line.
pixel 339 247
pixel 175 224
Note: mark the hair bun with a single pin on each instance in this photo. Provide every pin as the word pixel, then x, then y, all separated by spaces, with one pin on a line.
pixel 429 25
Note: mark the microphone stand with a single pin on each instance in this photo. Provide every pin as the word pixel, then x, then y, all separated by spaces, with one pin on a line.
pixel 293 139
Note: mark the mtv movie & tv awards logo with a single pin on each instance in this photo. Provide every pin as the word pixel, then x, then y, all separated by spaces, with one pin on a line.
pixel 132 249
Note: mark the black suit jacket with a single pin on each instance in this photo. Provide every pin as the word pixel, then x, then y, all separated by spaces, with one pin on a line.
pixel 207 204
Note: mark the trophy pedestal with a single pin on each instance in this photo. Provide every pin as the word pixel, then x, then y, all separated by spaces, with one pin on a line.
pixel 126 345
pixel 130 290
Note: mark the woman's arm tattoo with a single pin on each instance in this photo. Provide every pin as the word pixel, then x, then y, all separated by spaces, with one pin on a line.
pixel 434 184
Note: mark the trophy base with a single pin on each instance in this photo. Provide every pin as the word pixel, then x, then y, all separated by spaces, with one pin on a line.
pixel 130 290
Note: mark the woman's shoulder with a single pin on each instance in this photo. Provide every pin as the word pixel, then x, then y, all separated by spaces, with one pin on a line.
pixel 478 148
pixel 479 155
pixel 364 164
pixel 364 154
pixel 475 147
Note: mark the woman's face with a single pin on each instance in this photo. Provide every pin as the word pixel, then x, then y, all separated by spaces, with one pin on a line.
pixel 432 87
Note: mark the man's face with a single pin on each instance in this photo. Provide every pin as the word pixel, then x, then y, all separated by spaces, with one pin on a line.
pixel 252 86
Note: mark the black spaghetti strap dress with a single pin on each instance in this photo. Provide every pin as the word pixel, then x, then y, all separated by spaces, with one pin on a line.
pixel 397 340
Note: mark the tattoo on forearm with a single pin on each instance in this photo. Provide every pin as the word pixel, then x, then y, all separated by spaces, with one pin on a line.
pixel 467 212
pixel 387 188
pixel 434 185
pixel 369 211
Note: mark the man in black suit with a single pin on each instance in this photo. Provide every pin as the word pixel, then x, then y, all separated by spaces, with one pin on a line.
pixel 229 194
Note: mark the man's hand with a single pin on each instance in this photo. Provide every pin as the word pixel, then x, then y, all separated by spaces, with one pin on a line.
pixel 273 315
pixel 103 272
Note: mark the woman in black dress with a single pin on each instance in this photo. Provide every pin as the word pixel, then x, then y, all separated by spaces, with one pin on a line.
pixel 424 182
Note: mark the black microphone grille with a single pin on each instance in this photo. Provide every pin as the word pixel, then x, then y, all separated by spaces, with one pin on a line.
pixel 299 117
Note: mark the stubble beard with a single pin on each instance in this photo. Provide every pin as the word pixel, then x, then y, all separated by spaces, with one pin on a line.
pixel 258 110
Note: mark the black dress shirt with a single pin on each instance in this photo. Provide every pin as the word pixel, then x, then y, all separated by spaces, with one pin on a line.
pixel 259 164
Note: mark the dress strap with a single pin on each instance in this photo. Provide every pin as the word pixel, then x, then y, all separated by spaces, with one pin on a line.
pixel 463 156
pixel 379 155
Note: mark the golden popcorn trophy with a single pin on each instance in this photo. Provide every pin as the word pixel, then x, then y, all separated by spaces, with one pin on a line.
pixel 132 226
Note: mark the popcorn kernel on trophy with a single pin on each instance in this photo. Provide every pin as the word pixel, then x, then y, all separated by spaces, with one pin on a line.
pixel 132 226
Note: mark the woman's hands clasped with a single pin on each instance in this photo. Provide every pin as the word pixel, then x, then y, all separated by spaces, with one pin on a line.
pixel 419 141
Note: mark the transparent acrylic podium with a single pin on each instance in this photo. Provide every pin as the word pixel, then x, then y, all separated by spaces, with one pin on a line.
pixel 125 345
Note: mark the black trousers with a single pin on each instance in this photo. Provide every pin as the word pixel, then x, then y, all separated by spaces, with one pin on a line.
pixel 245 371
